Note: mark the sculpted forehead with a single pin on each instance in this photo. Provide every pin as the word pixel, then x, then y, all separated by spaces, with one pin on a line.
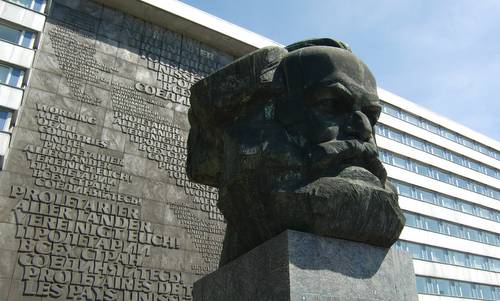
pixel 311 66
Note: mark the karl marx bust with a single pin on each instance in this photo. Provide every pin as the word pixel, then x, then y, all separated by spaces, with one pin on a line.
pixel 286 134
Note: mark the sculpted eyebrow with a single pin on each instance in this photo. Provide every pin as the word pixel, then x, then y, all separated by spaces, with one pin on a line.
pixel 331 85
pixel 339 87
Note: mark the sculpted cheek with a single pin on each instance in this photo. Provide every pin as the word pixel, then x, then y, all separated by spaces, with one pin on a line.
pixel 330 133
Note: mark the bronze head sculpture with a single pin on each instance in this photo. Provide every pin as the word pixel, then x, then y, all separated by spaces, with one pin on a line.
pixel 286 134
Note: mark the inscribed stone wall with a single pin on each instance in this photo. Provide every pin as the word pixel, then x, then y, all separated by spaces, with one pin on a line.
pixel 94 200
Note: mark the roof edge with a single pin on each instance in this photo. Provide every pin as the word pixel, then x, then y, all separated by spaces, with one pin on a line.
pixel 410 106
pixel 195 23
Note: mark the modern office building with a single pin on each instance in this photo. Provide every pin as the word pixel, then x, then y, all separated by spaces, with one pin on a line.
pixel 21 22
pixel 94 201
pixel 447 178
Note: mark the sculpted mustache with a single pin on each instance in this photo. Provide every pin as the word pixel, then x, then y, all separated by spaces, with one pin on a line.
pixel 340 154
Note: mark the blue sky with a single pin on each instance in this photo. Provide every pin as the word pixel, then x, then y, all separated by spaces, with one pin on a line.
pixel 441 54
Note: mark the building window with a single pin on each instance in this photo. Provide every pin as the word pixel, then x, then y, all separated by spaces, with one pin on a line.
pixel 400 162
pixel 426 196
pixel 448 202
pixel 17 36
pixel 391 110
pixel 419 144
pixel 423 170
pixel 11 76
pixel 404 190
pixel 36 5
pixel 5 117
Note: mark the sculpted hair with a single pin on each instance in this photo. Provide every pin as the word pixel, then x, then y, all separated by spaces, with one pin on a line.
pixel 246 84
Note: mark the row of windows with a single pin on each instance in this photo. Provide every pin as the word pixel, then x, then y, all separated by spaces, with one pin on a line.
pixel 442 200
pixel 36 5
pixel 452 288
pixel 11 76
pixel 441 152
pixel 448 228
pixel 17 36
pixel 439 130
pixel 438 174
pixel 442 255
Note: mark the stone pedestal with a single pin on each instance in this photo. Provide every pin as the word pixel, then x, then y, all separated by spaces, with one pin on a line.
pixel 304 267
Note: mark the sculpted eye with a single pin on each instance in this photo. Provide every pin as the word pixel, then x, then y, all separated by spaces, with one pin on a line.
pixel 329 100
pixel 332 106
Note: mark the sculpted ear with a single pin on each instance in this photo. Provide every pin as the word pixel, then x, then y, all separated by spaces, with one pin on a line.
pixel 220 99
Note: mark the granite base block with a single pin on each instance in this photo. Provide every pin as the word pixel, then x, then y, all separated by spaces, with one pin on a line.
pixel 304 267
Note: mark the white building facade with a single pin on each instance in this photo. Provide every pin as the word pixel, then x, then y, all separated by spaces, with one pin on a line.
pixel 448 182
pixel 21 22
pixel 447 176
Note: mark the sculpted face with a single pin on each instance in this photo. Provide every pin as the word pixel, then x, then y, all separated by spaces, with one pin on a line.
pixel 295 151
pixel 335 96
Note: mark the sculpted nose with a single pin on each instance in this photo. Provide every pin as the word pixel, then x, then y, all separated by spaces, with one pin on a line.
pixel 359 126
